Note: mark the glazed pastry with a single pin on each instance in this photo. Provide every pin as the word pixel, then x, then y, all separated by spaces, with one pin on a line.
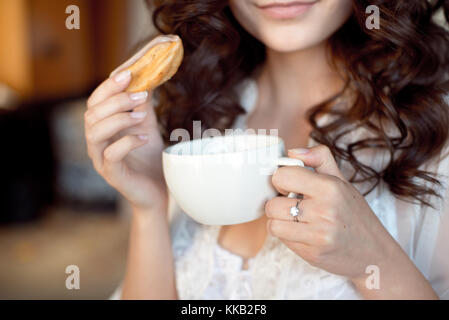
pixel 155 64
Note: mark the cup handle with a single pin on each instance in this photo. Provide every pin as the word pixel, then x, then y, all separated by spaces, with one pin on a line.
pixel 285 161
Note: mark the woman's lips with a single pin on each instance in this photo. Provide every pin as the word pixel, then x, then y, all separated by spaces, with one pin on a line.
pixel 286 10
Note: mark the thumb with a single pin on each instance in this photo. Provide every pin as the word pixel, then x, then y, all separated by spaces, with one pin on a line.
pixel 320 158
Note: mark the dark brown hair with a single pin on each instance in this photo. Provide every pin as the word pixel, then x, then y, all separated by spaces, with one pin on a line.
pixel 396 71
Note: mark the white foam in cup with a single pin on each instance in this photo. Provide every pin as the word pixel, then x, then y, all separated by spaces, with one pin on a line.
pixel 224 180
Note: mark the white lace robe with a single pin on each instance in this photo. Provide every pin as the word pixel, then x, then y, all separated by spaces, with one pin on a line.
pixel 204 271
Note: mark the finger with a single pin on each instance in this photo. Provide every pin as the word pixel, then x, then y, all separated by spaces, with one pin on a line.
pixel 291 231
pixel 118 150
pixel 95 152
pixel 109 127
pixel 299 180
pixel 118 103
pixel 280 207
pixel 301 249
pixel 320 158
pixel 110 87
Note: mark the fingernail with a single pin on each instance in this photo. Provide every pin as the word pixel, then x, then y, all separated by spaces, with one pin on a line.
pixel 139 96
pixel 138 115
pixel 143 137
pixel 123 76
pixel 299 151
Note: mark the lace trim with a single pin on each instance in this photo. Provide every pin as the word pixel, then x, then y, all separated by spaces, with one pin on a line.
pixel 228 277
pixel 275 273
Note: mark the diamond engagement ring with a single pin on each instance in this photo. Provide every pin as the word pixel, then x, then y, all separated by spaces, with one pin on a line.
pixel 296 212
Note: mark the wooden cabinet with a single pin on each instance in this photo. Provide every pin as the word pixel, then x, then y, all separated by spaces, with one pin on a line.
pixel 43 60
pixel 15 52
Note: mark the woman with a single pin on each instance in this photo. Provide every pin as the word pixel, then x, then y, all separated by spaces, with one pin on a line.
pixel 364 107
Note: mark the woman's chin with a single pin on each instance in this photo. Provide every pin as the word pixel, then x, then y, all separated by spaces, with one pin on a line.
pixel 289 45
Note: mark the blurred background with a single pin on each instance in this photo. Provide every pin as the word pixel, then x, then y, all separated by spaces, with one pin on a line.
pixel 55 210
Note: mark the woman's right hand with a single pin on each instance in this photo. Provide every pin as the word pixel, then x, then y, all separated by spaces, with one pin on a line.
pixel 125 144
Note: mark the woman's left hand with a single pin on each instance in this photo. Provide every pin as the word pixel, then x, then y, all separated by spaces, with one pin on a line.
pixel 337 230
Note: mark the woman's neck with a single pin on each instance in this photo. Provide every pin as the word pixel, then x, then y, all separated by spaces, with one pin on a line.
pixel 295 81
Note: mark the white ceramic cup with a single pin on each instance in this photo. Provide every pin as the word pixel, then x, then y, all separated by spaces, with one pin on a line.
pixel 224 180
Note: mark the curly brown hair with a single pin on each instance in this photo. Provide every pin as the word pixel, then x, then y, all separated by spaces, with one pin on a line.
pixel 397 73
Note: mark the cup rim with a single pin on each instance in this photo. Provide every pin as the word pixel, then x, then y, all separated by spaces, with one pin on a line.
pixel 166 150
